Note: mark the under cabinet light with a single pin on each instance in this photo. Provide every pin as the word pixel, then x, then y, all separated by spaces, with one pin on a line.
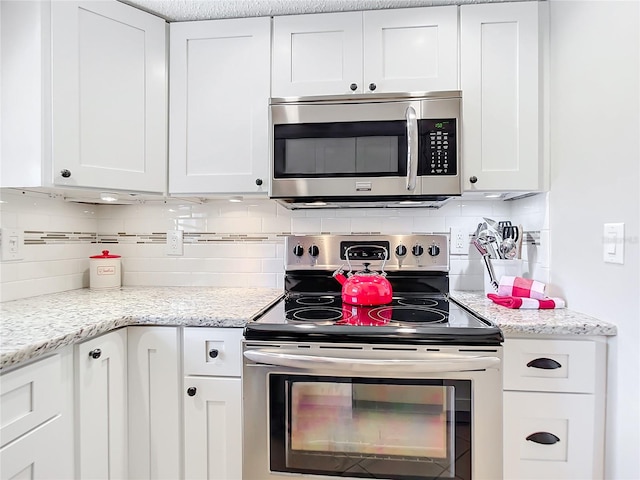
pixel 108 197
pixel 236 199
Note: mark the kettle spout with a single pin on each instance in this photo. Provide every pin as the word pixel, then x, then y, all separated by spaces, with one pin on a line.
pixel 339 276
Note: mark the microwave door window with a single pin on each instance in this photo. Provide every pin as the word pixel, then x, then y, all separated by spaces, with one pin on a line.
pixel 352 149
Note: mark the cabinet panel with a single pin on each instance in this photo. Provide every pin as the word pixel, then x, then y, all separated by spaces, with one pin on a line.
pixel 411 50
pixel 213 428
pixel 554 365
pixel 109 96
pixel 213 351
pixel 30 396
pixel 568 417
pixel 153 376
pixel 219 106
pixel 39 455
pixel 500 80
pixel 102 406
pixel 318 54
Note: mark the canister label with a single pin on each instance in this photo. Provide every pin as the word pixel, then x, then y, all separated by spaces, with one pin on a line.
pixel 106 270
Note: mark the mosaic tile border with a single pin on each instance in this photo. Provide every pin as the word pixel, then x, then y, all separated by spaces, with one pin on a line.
pixel 33 237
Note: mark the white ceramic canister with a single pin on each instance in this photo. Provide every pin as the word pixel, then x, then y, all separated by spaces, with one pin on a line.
pixel 104 271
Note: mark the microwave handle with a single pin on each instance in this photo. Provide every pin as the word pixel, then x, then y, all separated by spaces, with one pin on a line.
pixel 412 148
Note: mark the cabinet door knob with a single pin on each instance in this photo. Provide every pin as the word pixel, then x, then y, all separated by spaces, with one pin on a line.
pixel 191 391
pixel 258 181
pixel 65 173
pixel 543 438
pixel 213 353
pixel 473 179
pixel 544 363
pixel 95 353
pixel 353 87
pixel 372 86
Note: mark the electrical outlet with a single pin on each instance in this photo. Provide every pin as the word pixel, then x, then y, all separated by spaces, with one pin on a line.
pixel 12 242
pixel 174 242
pixel 459 241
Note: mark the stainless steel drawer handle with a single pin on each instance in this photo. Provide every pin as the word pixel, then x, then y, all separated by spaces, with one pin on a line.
pixel 543 438
pixel 544 363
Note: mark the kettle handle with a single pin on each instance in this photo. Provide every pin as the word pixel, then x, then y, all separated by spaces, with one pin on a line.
pixel 384 260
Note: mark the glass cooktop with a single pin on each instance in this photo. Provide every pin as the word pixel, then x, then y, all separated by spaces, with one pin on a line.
pixel 407 319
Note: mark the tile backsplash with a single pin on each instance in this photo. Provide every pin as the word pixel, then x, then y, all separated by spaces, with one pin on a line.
pixel 226 244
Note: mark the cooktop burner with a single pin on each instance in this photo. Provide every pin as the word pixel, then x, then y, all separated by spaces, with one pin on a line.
pixel 329 310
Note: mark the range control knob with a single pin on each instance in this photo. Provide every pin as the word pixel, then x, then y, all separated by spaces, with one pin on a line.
pixel 314 251
pixel 401 250
pixel 417 250
pixel 434 250
pixel 298 251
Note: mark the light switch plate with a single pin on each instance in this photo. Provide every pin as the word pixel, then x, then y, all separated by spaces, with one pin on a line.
pixel 12 244
pixel 613 243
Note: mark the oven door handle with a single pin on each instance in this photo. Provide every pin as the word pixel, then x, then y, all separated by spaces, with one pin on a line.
pixel 412 148
pixel 429 364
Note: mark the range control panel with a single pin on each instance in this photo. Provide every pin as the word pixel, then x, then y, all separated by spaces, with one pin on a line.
pixel 415 252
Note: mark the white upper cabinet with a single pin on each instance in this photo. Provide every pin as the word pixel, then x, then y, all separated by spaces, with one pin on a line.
pixel 84 92
pixel 219 97
pixel 109 96
pixel 402 50
pixel 500 77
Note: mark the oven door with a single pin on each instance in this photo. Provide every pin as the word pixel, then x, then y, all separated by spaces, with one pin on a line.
pixel 371 412
pixel 365 149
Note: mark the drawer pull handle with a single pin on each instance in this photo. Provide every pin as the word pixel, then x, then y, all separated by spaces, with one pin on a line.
pixel 191 391
pixel 213 353
pixel 543 438
pixel 544 363
pixel 95 354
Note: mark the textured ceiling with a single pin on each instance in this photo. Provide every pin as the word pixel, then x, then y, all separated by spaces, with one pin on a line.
pixel 184 10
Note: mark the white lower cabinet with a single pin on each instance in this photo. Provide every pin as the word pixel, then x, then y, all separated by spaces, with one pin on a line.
pixel 213 404
pixel 554 408
pixel 36 431
pixel 153 379
pixel 101 383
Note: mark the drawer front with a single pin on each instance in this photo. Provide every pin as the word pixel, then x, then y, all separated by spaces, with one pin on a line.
pixel 29 396
pixel 213 351
pixel 549 435
pixel 550 365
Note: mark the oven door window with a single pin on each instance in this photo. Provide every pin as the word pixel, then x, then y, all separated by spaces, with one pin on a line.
pixel 370 428
pixel 344 149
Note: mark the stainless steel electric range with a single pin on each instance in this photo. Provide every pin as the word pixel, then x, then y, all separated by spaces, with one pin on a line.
pixel 411 389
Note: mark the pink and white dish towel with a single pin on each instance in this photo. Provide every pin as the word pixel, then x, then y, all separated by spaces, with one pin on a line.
pixel 526 303
pixel 520 287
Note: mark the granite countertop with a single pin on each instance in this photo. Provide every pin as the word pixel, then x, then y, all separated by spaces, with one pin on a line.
pixel 34 326
pixel 513 322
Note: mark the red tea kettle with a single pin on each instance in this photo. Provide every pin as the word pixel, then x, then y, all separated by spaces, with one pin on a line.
pixel 365 287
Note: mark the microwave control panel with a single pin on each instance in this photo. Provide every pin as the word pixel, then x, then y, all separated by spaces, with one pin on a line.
pixel 438 147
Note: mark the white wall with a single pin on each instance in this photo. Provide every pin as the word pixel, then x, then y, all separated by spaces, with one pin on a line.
pixel 595 178
pixel 225 244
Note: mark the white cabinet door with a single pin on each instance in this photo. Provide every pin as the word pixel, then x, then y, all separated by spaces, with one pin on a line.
pixel 38 455
pixel 109 96
pixel 318 54
pixel 153 378
pixel 549 435
pixel 219 106
pixel 213 428
pixel 501 99
pixel 101 366
pixel 411 50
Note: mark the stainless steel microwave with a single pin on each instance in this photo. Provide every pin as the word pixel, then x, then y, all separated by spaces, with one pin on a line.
pixel 358 150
